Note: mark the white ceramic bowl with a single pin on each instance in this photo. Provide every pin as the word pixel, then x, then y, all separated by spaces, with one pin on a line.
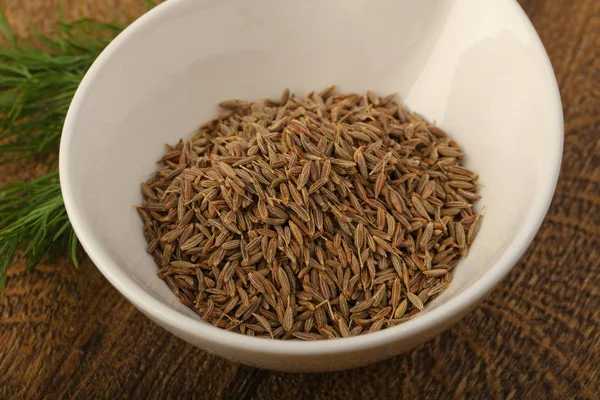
pixel 475 67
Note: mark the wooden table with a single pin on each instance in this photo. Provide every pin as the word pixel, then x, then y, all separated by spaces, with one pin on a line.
pixel 66 333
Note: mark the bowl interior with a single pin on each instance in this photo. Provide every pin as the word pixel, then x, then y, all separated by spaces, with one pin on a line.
pixel 475 68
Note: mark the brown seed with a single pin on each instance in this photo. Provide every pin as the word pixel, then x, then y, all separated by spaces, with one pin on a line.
pixel 303 177
pixel 362 306
pixel 148 192
pixel 307 336
pixel 262 209
pixel 344 331
pixel 300 211
pixel 415 300
pixel 317 185
pixel 396 291
pixel 460 235
pixel 426 237
pixel 304 218
pixel 288 319
pixel 401 309
pixel 436 272
pixel 264 323
pixel 376 326
pixel 379 184
pixel 473 230
pixel 419 206
pixel 256 282
pixel 271 249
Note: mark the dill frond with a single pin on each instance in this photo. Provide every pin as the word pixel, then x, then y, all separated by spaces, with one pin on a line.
pixel 38 79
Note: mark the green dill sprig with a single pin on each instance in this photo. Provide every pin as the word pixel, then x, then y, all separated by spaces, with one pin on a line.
pixel 33 218
pixel 37 82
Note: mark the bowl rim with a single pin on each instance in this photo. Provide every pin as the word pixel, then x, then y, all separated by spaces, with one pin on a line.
pixel 448 310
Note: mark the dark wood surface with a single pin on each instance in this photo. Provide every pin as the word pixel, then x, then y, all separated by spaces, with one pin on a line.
pixel 66 333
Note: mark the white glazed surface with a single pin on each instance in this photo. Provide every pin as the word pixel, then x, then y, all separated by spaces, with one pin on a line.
pixel 476 68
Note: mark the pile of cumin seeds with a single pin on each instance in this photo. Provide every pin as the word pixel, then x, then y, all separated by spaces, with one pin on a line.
pixel 310 218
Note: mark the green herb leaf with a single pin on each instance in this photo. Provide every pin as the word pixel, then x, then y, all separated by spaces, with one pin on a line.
pixel 37 82
pixel 33 218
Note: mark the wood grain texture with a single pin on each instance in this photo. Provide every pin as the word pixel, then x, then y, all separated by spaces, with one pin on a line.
pixel 66 333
